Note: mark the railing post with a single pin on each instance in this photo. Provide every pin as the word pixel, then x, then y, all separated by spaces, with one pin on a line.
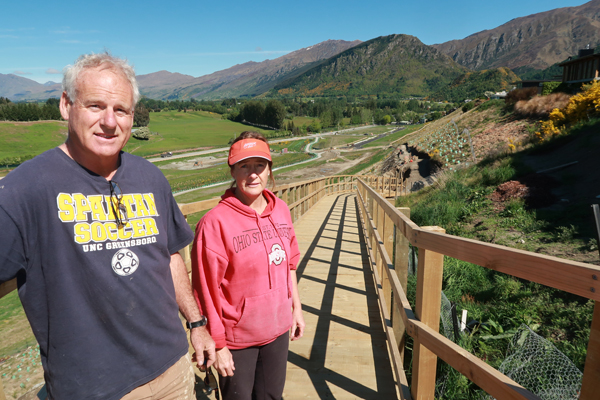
pixel 284 195
pixel 388 243
pixel 401 269
pixel 591 371
pixel 427 310
pixel 381 230
pixel 375 217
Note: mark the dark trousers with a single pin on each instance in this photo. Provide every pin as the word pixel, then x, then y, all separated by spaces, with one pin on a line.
pixel 259 372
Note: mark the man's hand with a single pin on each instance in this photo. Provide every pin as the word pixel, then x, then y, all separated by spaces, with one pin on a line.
pixel 224 362
pixel 204 346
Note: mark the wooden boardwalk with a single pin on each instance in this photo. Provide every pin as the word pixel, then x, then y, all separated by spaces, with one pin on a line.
pixel 343 353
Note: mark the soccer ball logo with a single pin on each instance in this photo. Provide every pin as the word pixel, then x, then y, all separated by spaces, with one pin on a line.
pixel 125 262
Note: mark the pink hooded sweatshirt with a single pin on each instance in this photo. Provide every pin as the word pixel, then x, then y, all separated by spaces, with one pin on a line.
pixel 241 264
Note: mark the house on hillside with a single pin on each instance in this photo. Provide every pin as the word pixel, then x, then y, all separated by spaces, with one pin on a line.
pixel 536 83
pixel 584 68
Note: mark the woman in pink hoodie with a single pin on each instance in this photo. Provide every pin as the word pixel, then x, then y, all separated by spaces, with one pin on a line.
pixel 244 263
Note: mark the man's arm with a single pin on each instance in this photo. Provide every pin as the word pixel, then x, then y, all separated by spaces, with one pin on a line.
pixel 201 341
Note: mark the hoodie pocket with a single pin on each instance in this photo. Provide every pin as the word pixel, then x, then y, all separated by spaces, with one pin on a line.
pixel 264 317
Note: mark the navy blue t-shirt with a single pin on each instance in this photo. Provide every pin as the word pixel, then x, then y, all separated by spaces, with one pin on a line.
pixel 100 299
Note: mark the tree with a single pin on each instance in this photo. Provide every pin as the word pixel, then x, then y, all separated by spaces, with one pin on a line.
pixel 326 118
pixel 314 126
pixel 141 116
pixel 274 114
pixel 253 111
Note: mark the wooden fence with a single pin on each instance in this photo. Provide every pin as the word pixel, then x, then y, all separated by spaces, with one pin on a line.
pixel 386 227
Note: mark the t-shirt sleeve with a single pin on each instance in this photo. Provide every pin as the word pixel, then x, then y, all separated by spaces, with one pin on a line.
pixel 12 252
pixel 180 233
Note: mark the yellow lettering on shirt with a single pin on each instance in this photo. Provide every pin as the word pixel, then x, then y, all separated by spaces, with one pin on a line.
pixel 82 207
pixel 82 232
pixel 66 210
pixel 140 207
pixel 149 198
pixel 97 208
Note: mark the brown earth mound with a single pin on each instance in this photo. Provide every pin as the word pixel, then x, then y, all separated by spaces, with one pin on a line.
pixel 535 189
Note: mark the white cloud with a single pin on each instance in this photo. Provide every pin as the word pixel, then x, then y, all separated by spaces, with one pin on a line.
pixel 22 73
pixel 8 37
pixel 53 71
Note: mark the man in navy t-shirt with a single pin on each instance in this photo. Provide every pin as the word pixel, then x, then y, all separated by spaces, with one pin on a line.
pixel 92 235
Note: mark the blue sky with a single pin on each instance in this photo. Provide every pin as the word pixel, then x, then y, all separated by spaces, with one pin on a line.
pixel 39 38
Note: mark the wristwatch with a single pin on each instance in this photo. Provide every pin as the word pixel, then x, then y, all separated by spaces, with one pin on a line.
pixel 196 324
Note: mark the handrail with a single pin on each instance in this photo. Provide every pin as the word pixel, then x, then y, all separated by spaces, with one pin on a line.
pixel 380 220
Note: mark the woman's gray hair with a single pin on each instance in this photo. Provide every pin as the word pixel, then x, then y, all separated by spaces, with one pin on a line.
pixel 107 60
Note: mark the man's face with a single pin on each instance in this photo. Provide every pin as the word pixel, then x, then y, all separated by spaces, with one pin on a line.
pixel 101 118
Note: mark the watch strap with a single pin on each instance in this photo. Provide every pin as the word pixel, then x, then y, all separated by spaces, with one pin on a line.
pixel 196 324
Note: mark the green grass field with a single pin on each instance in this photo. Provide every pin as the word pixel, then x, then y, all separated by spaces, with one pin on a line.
pixel 291 145
pixel 189 130
pixel 384 141
pixel 335 141
pixel 14 327
pixel 26 139
pixel 299 121
pixel 378 156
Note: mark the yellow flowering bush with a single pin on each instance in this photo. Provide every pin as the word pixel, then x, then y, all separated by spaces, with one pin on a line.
pixel 579 108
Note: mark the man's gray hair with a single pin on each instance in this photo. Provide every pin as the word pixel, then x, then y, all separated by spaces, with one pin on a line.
pixel 85 61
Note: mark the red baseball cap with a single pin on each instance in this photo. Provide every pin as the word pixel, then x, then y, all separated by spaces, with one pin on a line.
pixel 248 148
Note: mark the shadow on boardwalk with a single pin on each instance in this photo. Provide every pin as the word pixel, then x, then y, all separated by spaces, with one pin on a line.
pixel 343 353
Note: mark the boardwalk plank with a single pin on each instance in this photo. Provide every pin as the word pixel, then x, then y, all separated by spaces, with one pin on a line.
pixel 343 353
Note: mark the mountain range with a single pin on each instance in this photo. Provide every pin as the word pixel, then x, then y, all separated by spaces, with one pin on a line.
pixel 396 64
pixel 248 79
pixel 536 41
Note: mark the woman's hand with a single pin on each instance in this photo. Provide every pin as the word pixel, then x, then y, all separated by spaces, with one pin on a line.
pixel 224 362
pixel 297 324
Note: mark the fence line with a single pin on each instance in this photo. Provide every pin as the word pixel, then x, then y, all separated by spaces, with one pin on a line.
pixel 379 218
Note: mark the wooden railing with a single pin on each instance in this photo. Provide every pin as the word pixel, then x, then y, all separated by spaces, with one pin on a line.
pixel 386 227
pixel 300 197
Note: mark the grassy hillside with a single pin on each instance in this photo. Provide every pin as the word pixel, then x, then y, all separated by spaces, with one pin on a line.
pixel 27 139
pixel 468 203
pixel 186 130
pixel 474 84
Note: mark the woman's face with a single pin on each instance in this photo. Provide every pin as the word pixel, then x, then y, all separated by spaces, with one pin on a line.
pixel 251 176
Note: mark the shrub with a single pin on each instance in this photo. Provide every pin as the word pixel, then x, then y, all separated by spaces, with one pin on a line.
pixel 541 106
pixel 468 106
pixel 550 87
pixel 580 107
pixel 496 103
pixel 142 134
